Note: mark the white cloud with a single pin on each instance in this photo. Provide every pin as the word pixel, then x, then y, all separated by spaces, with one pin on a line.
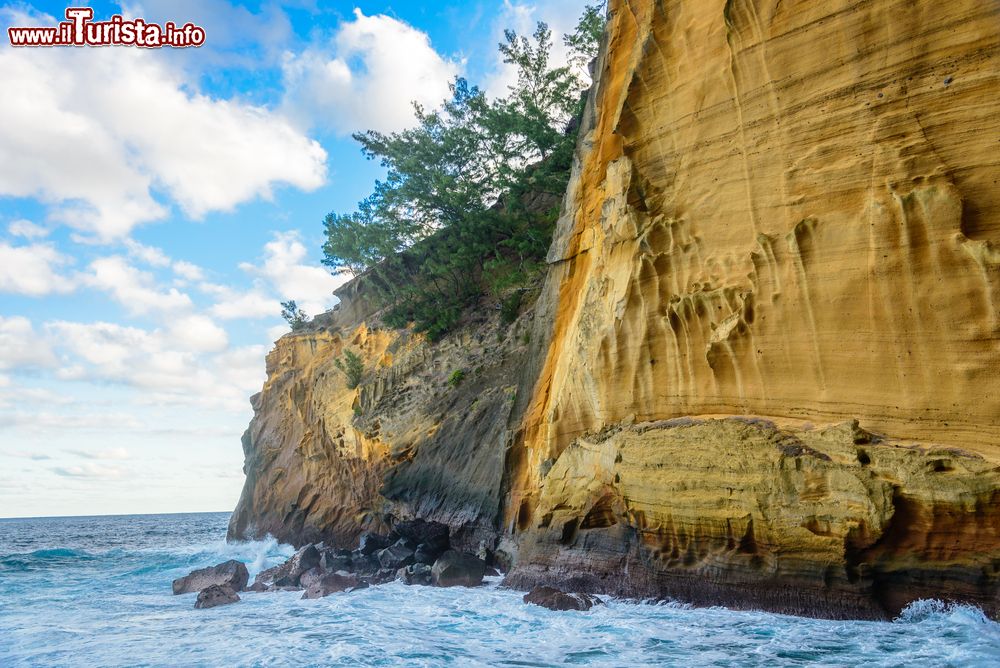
pixel 232 304
pixel 311 286
pixel 92 131
pixel 188 271
pixel 134 289
pixel 367 76
pixel 151 255
pixel 20 345
pixel 27 229
pixel 110 453
pixel 197 333
pixel 88 470
pixel 169 366
pixel 32 270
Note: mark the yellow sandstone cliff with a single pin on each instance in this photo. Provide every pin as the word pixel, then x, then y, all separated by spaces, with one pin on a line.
pixel 787 210
pixel 765 364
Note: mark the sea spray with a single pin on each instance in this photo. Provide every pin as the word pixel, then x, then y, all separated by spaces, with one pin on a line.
pixel 96 591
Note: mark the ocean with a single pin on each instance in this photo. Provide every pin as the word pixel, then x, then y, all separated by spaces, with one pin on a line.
pixel 95 591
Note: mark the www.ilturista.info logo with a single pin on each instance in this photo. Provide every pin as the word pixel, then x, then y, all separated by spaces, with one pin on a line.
pixel 79 30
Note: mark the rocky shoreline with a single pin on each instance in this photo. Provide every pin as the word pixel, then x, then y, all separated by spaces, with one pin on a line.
pixel 414 552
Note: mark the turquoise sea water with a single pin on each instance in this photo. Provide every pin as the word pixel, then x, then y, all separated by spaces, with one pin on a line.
pixel 95 591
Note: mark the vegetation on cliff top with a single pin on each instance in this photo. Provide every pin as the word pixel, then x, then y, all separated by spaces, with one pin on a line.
pixel 472 192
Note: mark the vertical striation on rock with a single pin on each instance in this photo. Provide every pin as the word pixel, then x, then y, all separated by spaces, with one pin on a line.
pixel 781 215
pixel 785 210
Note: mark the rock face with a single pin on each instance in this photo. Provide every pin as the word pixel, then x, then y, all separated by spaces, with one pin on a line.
pixel 214 596
pixel 457 569
pixel 232 574
pixel 289 573
pixel 763 369
pixel 554 599
pixel 331 583
pixel 784 210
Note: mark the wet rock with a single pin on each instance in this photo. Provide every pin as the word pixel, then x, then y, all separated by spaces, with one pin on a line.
pixel 422 531
pixel 331 583
pixel 312 576
pixel 372 542
pixel 395 557
pixel 335 562
pixel 364 565
pixel 406 543
pixel 458 569
pixel 415 574
pixel 554 599
pixel 382 576
pixel 215 595
pixel 288 573
pixel 232 574
pixel 492 572
pixel 361 585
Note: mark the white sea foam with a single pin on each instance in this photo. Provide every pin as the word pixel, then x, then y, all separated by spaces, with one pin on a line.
pixel 116 609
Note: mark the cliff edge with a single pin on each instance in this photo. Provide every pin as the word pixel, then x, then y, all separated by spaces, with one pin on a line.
pixel 763 369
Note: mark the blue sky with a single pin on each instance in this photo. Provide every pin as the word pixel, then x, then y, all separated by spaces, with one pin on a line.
pixel 156 206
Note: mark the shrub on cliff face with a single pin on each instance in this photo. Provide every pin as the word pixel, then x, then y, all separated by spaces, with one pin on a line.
pixel 472 192
pixel 293 315
pixel 456 377
pixel 352 366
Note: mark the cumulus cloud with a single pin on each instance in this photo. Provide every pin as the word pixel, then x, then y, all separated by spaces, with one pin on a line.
pixel 283 268
pixel 188 271
pixel 367 76
pixel 83 136
pixel 27 229
pixel 169 366
pixel 33 270
pixel 134 289
pixel 21 347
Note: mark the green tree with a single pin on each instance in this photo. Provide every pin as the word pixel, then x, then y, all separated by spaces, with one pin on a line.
pixel 293 315
pixel 352 366
pixel 471 192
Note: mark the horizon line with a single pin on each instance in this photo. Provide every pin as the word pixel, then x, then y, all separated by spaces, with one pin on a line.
pixel 64 517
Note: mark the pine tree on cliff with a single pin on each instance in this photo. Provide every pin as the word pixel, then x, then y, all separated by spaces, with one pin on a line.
pixel 472 191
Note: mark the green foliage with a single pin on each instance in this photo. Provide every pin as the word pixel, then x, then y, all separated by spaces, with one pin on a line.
pixel 293 315
pixel 471 192
pixel 352 366
pixel 585 40
pixel 456 377
pixel 511 307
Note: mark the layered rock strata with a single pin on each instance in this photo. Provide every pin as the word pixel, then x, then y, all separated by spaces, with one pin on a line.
pixel 764 366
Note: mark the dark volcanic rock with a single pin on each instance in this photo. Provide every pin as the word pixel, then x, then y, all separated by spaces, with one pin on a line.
pixel 331 583
pixel 288 573
pixel 422 531
pixel 395 557
pixel 312 576
pixel 232 574
pixel 458 569
pixel 215 595
pixel 415 574
pixel 372 542
pixel 553 599
pixel 336 560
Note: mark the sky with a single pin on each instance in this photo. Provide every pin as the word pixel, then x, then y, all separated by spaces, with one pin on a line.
pixel 157 206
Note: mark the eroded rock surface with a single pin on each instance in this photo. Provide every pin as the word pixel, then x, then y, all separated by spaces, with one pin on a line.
pixel 214 596
pixel 554 599
pixel 764 367
pixel 232 574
